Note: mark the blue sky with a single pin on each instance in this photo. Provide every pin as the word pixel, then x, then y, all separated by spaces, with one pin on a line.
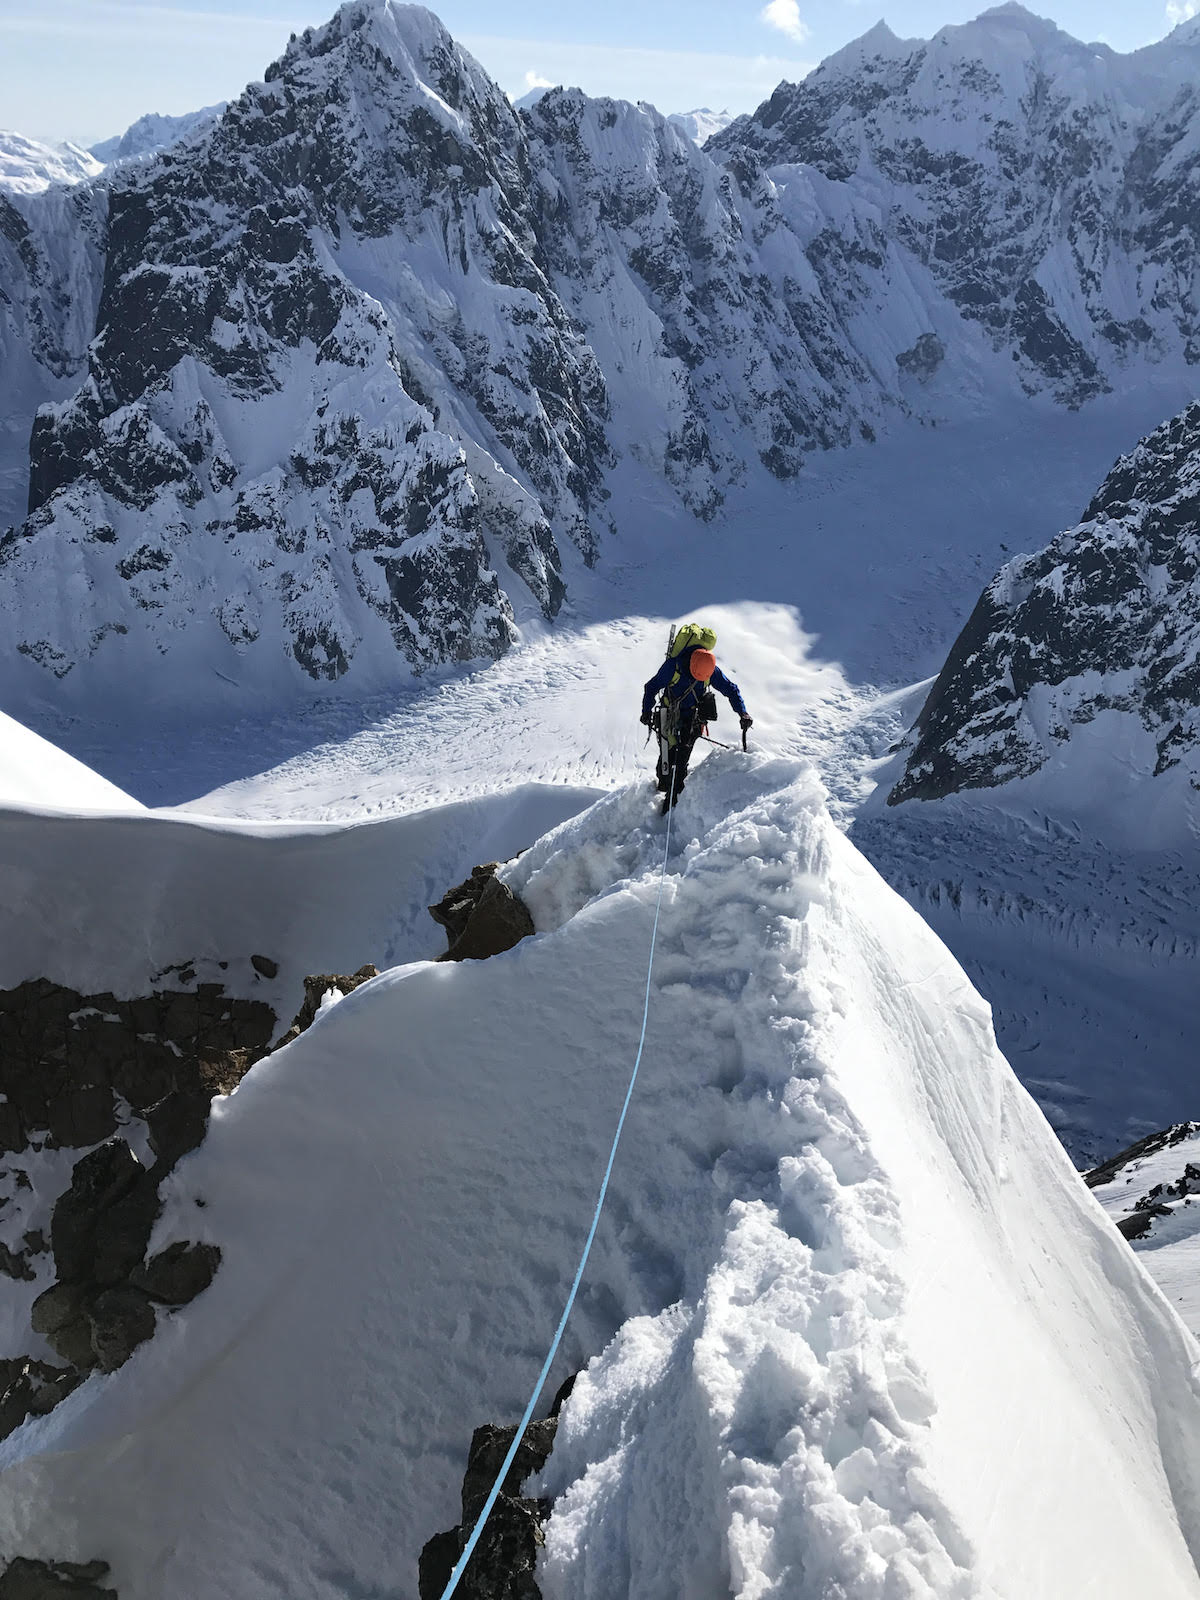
pixel 85 69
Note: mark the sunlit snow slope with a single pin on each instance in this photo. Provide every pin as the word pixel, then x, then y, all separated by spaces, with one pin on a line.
pixel 884 1343
pixel 34 772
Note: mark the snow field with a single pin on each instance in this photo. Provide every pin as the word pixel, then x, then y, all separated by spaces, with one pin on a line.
pixel 872 1337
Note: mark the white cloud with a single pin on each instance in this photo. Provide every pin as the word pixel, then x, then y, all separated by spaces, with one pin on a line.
pixel 534 81
pixel 785 15
pixel 1182 11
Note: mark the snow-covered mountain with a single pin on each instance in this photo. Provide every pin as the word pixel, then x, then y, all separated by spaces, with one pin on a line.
pixel 154 132
pixel 700 124
pixel 843 1257
pixel 379 361
pixel 27 166
pixel 1050 187
pixel 360 352
pixel 1081 663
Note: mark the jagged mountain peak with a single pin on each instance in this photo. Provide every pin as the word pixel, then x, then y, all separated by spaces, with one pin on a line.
pixel 1008 35
pixel 1013 14
pixel 154 132
pixel 876 42
pixel 411 38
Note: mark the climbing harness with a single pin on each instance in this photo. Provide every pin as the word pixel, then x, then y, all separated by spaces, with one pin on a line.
pixel 468 1550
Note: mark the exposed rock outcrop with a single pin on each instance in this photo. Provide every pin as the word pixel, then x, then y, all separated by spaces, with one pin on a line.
pixel 503 1561
pixel 23 1579
pixel 102 1305
pixel 79 1070
pixel 1165 1139
pixel 482 916
pixel 316 987
pixel 1134 1212
pixel 74 1064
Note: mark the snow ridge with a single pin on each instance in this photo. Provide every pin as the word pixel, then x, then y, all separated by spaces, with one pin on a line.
pixel 154 132
pixel 795 1396
pixel 843 1246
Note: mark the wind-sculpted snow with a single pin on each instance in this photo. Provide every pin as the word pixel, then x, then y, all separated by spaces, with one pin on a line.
pixel 1049 187
pixel 1087 652
pixel 852 1325
pixel 33 772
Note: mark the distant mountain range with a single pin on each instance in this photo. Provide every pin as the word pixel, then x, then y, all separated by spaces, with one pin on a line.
pixel 357 375
pixel 29 166
pixel 702 123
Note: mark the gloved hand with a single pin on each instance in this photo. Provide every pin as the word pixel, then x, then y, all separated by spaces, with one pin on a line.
pixel 646 719
pixel 746 720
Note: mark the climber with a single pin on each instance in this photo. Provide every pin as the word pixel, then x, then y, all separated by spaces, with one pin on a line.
pixel 686 681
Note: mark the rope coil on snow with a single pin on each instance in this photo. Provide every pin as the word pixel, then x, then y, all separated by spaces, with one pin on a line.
pixel 481 1520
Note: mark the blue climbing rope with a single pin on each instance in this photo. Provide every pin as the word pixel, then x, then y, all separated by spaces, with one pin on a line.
pixel 452 1583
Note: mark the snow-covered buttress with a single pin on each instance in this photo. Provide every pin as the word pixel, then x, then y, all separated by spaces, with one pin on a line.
pixel 1101 629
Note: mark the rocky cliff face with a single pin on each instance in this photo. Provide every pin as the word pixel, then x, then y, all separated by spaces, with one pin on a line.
pixel 91 1077
pixel 1049 187
pixel 718 353
pixel 1106 619
pixel 252 446
pixel 51 267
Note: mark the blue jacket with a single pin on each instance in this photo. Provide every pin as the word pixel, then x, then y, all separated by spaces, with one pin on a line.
pixel 686 692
